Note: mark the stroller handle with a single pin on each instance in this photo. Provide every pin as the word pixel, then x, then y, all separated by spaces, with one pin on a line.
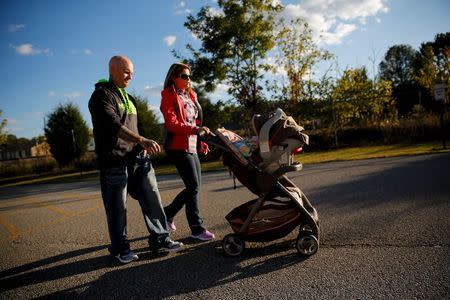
pixel 204 134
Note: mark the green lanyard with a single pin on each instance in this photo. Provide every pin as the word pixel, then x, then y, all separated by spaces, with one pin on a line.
pixel 126 100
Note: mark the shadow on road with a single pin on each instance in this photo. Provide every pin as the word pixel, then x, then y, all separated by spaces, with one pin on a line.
pixel 202 266
pixel 39 271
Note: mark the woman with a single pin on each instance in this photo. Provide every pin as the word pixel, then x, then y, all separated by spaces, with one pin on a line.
pixel 183 118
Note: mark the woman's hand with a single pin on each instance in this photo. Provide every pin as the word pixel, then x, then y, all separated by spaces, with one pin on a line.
pixel 202 131
pixel 203 149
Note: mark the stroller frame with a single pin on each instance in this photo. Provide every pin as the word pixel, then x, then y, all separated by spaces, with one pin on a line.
pixel 307 242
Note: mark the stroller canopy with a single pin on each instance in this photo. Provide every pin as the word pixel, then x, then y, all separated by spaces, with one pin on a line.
pixel 275 128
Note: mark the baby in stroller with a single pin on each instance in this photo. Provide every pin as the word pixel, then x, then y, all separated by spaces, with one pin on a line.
pixel 260 163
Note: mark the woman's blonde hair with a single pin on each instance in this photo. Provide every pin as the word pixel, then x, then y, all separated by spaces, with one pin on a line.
pixel 174 71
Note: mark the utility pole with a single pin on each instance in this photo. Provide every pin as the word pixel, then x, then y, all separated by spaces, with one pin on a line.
pixel 74 152
pixel 440 94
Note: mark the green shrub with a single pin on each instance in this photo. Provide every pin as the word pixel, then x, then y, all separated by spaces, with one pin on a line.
pixel 418 127
pixel 41 168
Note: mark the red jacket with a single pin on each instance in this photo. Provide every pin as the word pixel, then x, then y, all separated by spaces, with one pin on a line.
pixel 177 130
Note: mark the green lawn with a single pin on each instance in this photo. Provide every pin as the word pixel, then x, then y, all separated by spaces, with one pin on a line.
pixel 355 153
pixel 352 153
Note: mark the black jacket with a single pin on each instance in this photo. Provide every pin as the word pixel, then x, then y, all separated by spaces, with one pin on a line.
pixel 108 115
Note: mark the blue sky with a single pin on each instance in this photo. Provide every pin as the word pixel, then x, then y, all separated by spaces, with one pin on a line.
pixel 54 51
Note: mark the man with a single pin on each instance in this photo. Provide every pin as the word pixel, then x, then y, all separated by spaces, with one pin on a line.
pixel 124 163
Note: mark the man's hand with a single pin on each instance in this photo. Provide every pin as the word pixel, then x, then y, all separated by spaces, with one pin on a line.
pixel 150 145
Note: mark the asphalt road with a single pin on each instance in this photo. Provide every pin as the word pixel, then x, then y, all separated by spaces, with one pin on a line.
pixel 385 227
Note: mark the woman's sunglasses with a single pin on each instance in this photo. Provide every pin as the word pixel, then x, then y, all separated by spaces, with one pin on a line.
pixel 185 76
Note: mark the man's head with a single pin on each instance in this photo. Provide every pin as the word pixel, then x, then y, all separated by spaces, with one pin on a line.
pixel 120 70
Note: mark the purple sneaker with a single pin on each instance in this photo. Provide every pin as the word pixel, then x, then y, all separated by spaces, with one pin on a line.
pixel 205 236
pixel 172 226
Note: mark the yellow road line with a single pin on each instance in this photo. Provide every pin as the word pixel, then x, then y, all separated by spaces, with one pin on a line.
pixel 55 209
pixel 51 193
pixel 32 200
pixel 13 231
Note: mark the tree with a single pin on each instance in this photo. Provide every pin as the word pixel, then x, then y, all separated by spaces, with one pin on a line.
pixel 433 64
pixel 234 43
pixel 298 55
pixel 398 68
pixel 398 64
pixel 42 148
pixel 214 115
pixel 3 134
pixel 441 51
pixel 357 100
pixel 148 123
pixel 14 144
pixel 67 134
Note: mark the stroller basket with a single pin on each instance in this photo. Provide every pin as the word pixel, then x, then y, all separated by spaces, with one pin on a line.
pixel 275 219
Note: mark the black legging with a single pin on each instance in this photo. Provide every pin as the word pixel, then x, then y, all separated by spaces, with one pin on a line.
pixel 188 166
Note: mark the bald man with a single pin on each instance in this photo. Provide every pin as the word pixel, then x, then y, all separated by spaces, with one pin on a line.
pixel 124 163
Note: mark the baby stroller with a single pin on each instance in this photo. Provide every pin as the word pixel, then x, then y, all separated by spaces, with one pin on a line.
pixel 260 163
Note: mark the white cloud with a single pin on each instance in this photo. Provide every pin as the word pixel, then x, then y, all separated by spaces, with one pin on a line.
pixel 156 111
pixel 154 95
pixel 14 126
pixel 278 69
pixel 194 36
pixel 153 107
pixel 222 88
pixel 52 93
pixel 16 27
pixel 26 123
pixel 29 49
pixel 180 8
pixel 276 2
pixel 12 121
pixel 72 95
pixel 212 11
pixel 88 52
pixel 170 40
pixel 220 93
pixel 25 49
pixel 332 20
pixel 15 130
pixel 336 35
pixel 153 91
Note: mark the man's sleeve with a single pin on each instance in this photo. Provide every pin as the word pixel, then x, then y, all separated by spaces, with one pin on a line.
pixel 104 110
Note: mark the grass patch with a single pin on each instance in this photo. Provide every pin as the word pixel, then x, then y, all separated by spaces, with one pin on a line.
pixel 367 152
pixel 352 153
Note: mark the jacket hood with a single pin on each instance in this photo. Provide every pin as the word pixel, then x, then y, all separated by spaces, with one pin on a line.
pixel 103 83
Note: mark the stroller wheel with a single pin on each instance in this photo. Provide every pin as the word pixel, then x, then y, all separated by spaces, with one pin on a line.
pixel 307 245
pixel 233 245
